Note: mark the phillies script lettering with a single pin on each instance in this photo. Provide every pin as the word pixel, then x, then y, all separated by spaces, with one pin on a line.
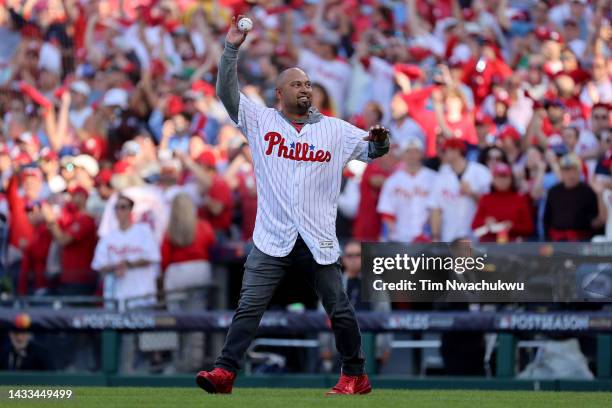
pixel 295 151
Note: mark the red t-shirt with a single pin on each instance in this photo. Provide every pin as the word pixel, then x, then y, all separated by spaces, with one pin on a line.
pixel 219 191
pixel 20 229
pixel 481 79
pixel 197 251
pixel 505 206
pixel 368 221
pixel 464 129
pixel 77 256
pixel 34 261
pixel 579 113
pixel 247 193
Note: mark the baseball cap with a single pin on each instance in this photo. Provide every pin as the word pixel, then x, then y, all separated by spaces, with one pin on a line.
pixel 80 87
pixel 104 177
pixel 88 163
pixel 115 97
pixel 175 105
pixel 570 160
pixel 48 154
pixel 130 148
pixel 410 143
pixel 544 34
pixel 556 102
pixel 27 137
pixel 203 87
pixel 454 143
pixel 502 170
pixel 78 190
pixel 509 132
pixel 207 159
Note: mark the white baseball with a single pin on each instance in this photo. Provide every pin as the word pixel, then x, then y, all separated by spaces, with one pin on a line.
pixel 245 24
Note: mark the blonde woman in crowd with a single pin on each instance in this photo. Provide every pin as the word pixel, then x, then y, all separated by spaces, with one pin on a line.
pixel 187 271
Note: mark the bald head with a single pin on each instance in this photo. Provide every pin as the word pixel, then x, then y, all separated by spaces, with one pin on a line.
pixel 289 75
pixel 294 92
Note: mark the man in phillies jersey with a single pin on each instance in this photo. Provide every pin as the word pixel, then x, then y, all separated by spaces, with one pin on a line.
pixel 298 157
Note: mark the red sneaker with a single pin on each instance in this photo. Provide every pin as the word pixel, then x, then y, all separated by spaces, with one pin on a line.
pixel 351 385
pixel 217 381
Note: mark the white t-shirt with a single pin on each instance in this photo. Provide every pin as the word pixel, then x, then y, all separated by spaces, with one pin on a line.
pixel 405 197
pixel 134 244
pixel 78 117
pixel 334 76
pixel 458 210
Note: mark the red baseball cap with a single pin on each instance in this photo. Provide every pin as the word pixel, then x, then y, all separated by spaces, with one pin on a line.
pixel 454 143
pixel 48 154
pixel 207 159
pixel 544 34
pixel 604 105
pixel 203 87
pixel 104 177
pixel 175 105
pixel 509 132
pixel 78 190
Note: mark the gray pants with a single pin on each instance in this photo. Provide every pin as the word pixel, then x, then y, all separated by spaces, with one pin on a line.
pixel 262 274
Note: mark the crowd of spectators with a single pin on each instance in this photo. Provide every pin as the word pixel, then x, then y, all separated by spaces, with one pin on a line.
pixel 118 162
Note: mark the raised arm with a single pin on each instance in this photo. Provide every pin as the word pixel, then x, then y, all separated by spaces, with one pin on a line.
pixel 227 79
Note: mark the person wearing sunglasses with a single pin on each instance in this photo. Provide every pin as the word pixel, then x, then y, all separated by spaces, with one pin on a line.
pixel 129 254
pixel 128 257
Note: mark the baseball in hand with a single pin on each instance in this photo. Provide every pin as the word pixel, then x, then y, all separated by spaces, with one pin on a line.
pixel 245 24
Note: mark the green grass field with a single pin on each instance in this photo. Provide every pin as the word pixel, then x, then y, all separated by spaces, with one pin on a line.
pixel 94 397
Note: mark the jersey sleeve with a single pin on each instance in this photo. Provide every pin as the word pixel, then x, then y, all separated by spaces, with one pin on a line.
pixel 249 113
pixel 354 145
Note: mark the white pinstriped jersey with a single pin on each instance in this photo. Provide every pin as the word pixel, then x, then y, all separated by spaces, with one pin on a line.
pixel 298 178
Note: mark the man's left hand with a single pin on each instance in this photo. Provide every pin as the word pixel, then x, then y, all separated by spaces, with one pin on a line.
pixel 378 134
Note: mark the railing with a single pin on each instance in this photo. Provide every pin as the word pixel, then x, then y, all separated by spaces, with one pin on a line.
pixel 506 324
